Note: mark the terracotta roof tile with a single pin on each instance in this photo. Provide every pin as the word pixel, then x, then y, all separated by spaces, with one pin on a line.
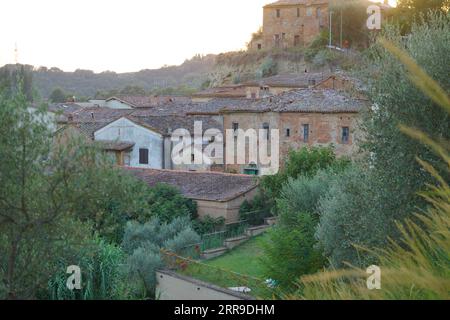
pixel 296 2
pixel 305 100
pixel 211 186
pixel 292 80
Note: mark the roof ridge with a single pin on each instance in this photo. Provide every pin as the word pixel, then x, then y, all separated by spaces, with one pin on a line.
pixel 191 172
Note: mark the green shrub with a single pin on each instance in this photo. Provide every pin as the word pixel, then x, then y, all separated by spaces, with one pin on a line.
pixel 208 224
pixel 347 218
pixel 268 68
pixel 102 277
pixel 304 162
pixel 303 195
pixel 143 244
pixel 293 250
pixel 256 210
pixel 141 267
pixel 167 203
pixel 290 251
pixel 316 45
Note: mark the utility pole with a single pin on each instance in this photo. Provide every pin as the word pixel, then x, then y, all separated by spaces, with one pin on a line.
pixel 16 54
pixel 340 38
pixel 331 14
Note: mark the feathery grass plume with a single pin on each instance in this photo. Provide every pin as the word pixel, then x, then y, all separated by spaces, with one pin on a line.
pixel 419 266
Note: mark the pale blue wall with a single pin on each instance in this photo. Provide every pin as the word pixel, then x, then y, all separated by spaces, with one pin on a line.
pixel 126 130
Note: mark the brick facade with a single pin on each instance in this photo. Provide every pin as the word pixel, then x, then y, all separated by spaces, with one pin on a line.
pixel 291 23
pixel 324 129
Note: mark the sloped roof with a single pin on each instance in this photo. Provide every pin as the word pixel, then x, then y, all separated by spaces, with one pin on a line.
pixel 236 91
pixel 290 80
pixel 110 145
pixel 210 186
pixel 306 101
pixel 168 123
pixel 296 2
pixel 211 107
pixel 149 101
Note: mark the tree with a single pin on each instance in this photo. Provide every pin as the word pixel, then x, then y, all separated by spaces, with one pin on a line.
pixel 58 96
pixel 408 11
pixel 304 162
pixel 133 91
pixel 422 6
pixel 292 249
pixel 167 203
pixel 347 219
pixel 144 242
pixel 291 253
pixel 36 225
pixel 54 200
pixel 349 21
pixel 395 169
pixel 14 78
pixel 363 207
pixel 416 266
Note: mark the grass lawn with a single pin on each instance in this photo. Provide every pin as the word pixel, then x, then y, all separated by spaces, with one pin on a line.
pixel 243 260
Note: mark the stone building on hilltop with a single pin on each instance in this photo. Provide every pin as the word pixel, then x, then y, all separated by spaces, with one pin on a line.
pixel 292 23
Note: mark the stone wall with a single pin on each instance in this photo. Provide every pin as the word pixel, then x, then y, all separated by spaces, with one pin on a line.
pixel 324 129
pixel 293 25
pixel 226 209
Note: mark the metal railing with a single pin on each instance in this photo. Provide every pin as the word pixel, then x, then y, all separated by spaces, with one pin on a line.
pixel 216 239
pixel 258 288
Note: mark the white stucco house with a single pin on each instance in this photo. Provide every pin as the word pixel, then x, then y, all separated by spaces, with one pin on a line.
pixel 146 142
pixel 147 150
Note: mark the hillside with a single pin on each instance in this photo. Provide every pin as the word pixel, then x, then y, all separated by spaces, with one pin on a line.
pixel 192 73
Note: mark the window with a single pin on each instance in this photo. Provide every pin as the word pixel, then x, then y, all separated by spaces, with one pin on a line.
pixel 305 132
pixel 319 13
pixel 345 135
pixel 143 156
pixel 278 13
pixel 259 46
pixel 192 158
pixel 309 12
pixel 235 126
pixel 253 95
pixel 296 40
pixel 277 40
pixel 288 132
pixel 267 127
pixel 298 12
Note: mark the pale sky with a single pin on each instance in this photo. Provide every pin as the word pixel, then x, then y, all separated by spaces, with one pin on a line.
pixel 123 35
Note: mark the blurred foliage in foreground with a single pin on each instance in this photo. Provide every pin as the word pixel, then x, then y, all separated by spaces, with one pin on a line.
pixel 417 266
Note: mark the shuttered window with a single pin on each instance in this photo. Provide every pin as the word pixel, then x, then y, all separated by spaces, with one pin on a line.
pixel 143 156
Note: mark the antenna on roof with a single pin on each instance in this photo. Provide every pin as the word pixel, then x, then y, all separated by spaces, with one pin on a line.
pixel 16 54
